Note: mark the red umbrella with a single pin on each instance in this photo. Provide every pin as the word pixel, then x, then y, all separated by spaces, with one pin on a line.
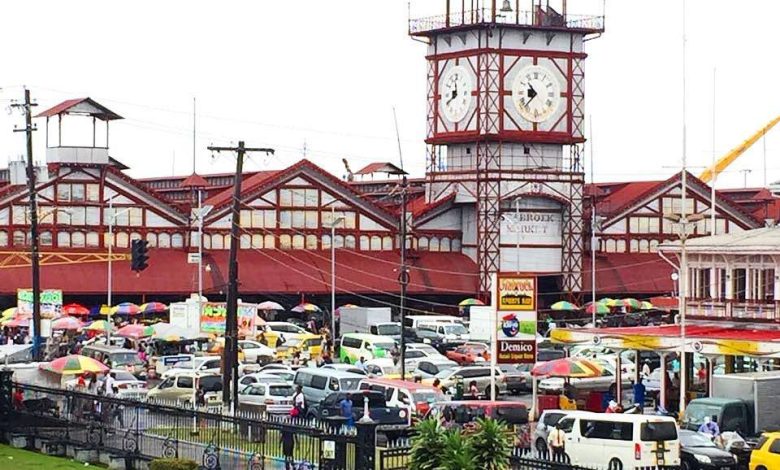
pixel 18 322
pixel 66 323
pixel 567 368
pixel 76 310
pixel 135 331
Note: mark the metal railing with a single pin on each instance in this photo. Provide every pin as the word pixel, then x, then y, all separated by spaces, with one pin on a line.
pixel 585 23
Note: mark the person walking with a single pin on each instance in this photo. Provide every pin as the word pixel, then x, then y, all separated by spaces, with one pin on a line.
pixel 639 394
pixel 345 405
pixel 299 403
pixel 557 442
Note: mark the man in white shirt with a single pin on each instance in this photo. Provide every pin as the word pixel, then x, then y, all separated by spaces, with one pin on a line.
pixel 557 442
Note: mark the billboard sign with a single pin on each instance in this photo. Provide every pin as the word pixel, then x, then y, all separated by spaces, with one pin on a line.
pixel 214 317
pixel 51 303
pixel 516 293
pixel 516 320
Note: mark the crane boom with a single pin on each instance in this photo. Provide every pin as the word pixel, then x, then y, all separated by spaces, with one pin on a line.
pixel 729 158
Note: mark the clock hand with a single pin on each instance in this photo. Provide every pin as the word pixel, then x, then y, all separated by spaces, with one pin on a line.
pixel 532 92
pixel 453 96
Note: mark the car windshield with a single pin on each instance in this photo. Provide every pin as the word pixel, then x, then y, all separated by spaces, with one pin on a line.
pixel 446 373
pixel 455 329
pixel 349 383
pixel 385 346
pixel 123 359
pixel 690 439
pixel 281 390
pixel 388 330
pixel 289 376
pixel 696 412
pixel 291 342
pixel 211 384
pixel 123 375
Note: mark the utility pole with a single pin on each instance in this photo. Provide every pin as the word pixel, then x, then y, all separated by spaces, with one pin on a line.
pixel 34 242
pixel 230 352
pixel 403 277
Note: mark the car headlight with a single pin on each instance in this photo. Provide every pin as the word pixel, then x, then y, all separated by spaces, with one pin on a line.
pixel 702 458
pixel 402 414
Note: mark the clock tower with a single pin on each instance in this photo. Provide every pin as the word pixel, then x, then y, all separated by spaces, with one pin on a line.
pixel 505 128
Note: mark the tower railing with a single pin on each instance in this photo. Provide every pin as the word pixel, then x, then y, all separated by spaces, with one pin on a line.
pixel 589 24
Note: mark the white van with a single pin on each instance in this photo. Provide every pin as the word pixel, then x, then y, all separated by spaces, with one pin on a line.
pixel 621 441
pixel 413 321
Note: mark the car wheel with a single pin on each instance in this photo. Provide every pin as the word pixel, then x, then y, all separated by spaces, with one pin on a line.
pixel 685 465
pixel 615 464
pixel 761 467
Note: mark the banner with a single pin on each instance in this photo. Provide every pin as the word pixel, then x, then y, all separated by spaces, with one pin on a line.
pixel 517 293
pixel 51 302
pixel 214 317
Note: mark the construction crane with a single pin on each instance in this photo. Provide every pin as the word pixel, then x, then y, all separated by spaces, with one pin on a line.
pixel 729 158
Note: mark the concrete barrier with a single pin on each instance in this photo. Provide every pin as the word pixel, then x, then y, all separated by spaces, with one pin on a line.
pixel 19 441
pixel 85 455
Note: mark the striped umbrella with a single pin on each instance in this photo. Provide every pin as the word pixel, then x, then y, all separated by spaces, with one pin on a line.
pixel 76 310
pixel 66 323
pixel 599 308
pixel 98 325
pixel 609 302
pixel 305 307
pixel 567 368
pixel 631 303
pixel 268 305
pixel 564 306
pixel 135 331
pixel 18 322
pixel 8 313
pixel 126 308
pixel 645 305
pixel 469 302
pixel 153 307
pixel 74 365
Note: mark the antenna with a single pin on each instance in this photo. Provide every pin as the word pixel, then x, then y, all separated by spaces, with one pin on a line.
pixel 194 114
pixel 398 139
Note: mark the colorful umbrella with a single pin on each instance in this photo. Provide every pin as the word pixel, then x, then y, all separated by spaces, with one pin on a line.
pixel 645 305
pixel 135 331
pixel 599 307
pixel 74 365
pixel 75 310
pixel 17 322
pixel 101 310
pixel 171 337
pixel 126 308
pixel 609 302
pixel 631 303
pixel 306 307
pixel 8 313
pixel 98 325
pixel 567 368
pixel 153 307
pixel 468 302
pixel 66 323
pixel 564 306
pixel 268 305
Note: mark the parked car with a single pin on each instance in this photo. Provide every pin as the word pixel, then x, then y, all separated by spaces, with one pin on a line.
pixel 345 368
pixel 115 357
pixel 317 383
pixel 284 331
pixel 604 382
pixel 766 453
pixel 308 345
pixel 518 377
pixel 401 393
pixel 466 411
pixel 180 387
pixel 201 364
pixel 449 332
pixel 387 417
pixel 256 352
pixel 478 374
pixel 259 377
pixel 284 375
pixel 698 452
pixel 272 397
pixel 357 345
pixel 430 367
pixel 469 353
pixel 381 367
pixel 429 350
pixel 546 423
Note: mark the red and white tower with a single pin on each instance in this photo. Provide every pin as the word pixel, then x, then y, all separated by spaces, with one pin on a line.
pixel 505 129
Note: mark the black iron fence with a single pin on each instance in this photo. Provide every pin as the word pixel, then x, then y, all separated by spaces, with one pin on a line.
pixel 138 431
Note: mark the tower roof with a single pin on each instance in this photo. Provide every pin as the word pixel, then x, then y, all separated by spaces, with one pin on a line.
pixel 194 181
pixel 83 106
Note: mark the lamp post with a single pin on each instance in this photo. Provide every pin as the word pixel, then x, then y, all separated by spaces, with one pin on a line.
pixel 333 222
pixel 109 292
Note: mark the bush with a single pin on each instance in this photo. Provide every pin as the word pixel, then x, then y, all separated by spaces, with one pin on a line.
pixel 492 444
pixel 427 445
pixel 173 464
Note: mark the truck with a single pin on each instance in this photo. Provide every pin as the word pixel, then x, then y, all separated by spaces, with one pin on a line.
pixel 746 403
pixel 369 320
pixel 481 320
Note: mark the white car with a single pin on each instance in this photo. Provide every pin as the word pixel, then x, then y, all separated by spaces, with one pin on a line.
pixel 274 397
pixel 205 364
pixel 287 330
pixel 255 352
pixel 546 423
pixel 284 375
pixel 429 350
pixel 606 381
pixel 430 367
pixel 381 366
pixel 259 377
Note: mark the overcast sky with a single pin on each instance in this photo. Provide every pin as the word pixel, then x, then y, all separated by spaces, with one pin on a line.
pixel 328 73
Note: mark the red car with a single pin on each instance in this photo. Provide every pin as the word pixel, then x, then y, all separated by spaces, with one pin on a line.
pixel 469 353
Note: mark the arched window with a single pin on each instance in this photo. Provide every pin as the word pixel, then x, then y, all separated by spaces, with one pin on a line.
pixel 93 239
pixel 610 246
pixel 122 240
pixel 456 245
pixel 433 244
pixel 297 242
pixel 365 243
pixel 338 241
pixel 269 241
pixel 257 241
pixel 326 242
pixel 19 238
pixel 164 240
pixel 311 242
pixel 285 242
pixel 246 241
pixel 634 246
pixel 376 243
pixel 387 243
pixel 217 242
pixel 653 246
pixel 206 242
pixel 349 242
pixel 45 239
pixel 152 239
pixel 78 240
pixel 621 246
pixel 177 240
pixel 3 238
pixel 422 244
pixel 135 236
pixel 63 239
pixel 228 239
pixel 644 246
pixel 445 244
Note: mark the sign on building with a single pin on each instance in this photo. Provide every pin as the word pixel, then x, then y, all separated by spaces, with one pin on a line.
pixel 516 320
pixel 51 303
pixel 214 317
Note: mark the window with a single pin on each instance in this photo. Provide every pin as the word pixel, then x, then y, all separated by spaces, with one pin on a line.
pixel 20 215
pixel 338 241
pixel 245 219
pixel 136 216
pixel 63 192
pixel 387 243
pixel 595 429
pixel 78 240
pixel 285 242
pixel 206 242
pixel 445 244
pixel 184 382
pixel 738 284
pixel 93 239
pixel 246 241
pixel 433 245
pixel 297 242
pixel 228 240
pixel 364 243
pixel 164 240
pixel 256 241
pixel 217 242
pixel 152 239
pixel 63 239
pixel 45 239
pixel 298 219
pixel 269 241
pixel 634 246
pixel 311 219
pixel 326 242
pixel 93 192
pixel 774 447
pixel 663 431
pixel 376 243
pixel 422 244
pixel 311 242
pixel 285 219
pixel 319 382
pixel 3 238
pixel 644 246
pixel 177 240
pixel 297 197
pixel 19 238
pixel 349 242
pixel 77 193
pixel 311 197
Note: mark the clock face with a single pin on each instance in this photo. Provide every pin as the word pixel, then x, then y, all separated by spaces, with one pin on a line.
pixel 456 91
pixel 536 93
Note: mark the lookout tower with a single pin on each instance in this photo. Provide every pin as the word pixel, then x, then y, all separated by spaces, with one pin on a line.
pixel 505 128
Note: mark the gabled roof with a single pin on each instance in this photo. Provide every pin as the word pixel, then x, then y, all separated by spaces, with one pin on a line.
pixel 380 167
pixel 194 181
pixel 247 185
pixel 419 210
pixel 86 106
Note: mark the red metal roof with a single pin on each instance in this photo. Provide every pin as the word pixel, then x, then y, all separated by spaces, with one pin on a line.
pixel 695 331
pixel 380 167
pixel 194 181
pixel 263 271
pixel 628 273
pixel 247 184
pixel 100 111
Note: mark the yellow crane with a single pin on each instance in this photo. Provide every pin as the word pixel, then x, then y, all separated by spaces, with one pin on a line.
pixel 729 158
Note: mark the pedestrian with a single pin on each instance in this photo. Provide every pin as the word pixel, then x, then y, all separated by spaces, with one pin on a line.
pixel 612 407
pixel 109 382
pixel 557 442
pixel 523 439
pixel 361 364
pixel 646 371
pixel 639 394
pixel 345 405
pixel 18 398
pixel 701 373
pixel 437 384
pixel 710 426
pixel 296 359
pixel 473 390
pixel 395 353
pixel 299 403
pixel 288 448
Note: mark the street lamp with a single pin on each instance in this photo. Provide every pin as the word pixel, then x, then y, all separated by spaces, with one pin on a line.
pixel 111 221
pixel 334 221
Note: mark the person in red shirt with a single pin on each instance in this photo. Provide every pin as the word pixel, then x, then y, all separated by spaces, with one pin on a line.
pixel 18 398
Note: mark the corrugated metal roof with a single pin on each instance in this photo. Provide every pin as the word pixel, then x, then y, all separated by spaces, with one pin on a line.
pixel 628 273
pixel 86 106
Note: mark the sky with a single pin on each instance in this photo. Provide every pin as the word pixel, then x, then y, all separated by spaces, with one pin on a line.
pixel 324 76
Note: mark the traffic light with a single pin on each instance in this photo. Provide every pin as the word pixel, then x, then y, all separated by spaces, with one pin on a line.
pixel 140 255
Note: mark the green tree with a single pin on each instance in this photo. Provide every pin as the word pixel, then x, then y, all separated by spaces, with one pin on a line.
pixel 458 452
pixel 427 445
pixel 491 444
